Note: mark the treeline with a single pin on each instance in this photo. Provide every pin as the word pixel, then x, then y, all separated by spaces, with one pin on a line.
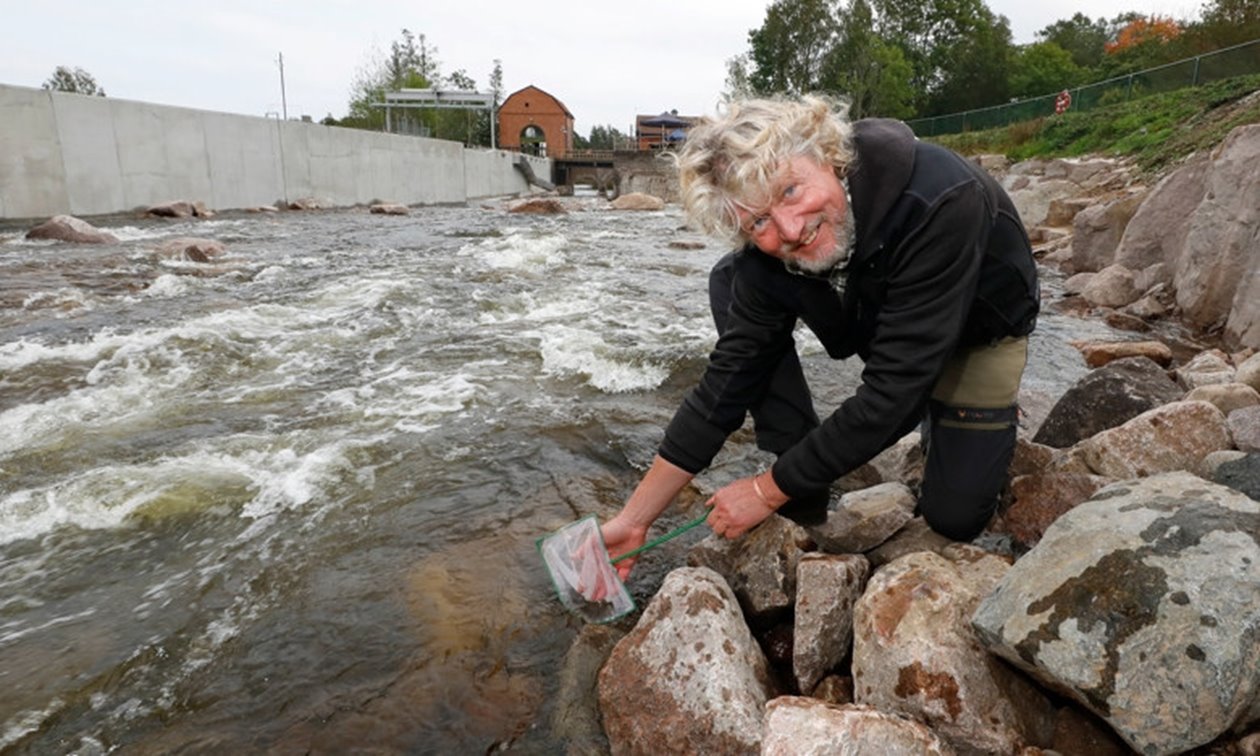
pixel 917 58
pixel 412 63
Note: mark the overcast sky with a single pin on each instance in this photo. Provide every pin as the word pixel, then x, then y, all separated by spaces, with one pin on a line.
pixel 606 61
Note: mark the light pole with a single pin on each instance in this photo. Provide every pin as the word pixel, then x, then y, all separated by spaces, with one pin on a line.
pixel 284 105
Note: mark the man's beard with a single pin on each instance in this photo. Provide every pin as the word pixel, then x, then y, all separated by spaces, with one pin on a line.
pixel 845 239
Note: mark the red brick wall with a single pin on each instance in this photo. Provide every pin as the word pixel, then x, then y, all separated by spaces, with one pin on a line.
pixel 533 107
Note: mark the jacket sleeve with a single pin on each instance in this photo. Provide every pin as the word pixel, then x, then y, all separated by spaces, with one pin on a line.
pixel 758 333
pixel 931 281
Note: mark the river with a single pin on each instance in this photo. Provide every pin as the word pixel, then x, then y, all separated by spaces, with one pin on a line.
pixel 288 500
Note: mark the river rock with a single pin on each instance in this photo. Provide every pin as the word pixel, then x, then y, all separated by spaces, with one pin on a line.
pixel 827 587
pixel 1175 436
pixel 538 206
pixel 797 726
pixel 1241 474
pixel 389 208
pixel 638 201
pixel 864 519
pixel 311 203
pixel 1206 368
pixel 1226 396
pixel 902 462
pixel 1244 427
pixel 916 535
pixel 1097 229
pixel 1063 211
pixel 834 689
pixel 914 653
pixel 1034 198
pixel 1142 604
pixel 689 678
pixel 1113 286
pixel 1099 353
pixel 68 228
pixel 1040 499
pixel 191 248
pixel 1105 398
pixel 179 209
pixel 760 566
pixel 1248 371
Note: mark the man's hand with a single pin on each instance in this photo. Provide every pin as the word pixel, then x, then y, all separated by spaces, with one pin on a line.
pixel 740 506
pixel 620 536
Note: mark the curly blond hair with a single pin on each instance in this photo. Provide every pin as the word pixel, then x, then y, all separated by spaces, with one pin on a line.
pixel 732 161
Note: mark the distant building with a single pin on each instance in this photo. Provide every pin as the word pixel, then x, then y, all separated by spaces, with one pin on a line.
pixel 655 131
pixel 534 122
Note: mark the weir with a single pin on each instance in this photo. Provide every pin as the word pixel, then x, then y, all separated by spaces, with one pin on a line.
pixel 84 155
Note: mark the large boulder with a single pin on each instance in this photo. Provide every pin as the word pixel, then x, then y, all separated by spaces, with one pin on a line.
pixel 866 518
pixel 68 228
pixel 1142 604
pixel 1157 232
pixel 1040 499
pixel 827 587
pixel 191 249
pixel 914 653
pixel 1175 436
pixel 1105 398
pixel 1217 262
pixel 760 567
pixel 689 678
pixel 1096 231
pixel 638 201
pixel 1034 198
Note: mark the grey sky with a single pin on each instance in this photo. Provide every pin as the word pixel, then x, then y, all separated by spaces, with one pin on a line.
pixel 605 61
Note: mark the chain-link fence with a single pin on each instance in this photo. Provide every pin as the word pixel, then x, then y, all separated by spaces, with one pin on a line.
pixel 1239 60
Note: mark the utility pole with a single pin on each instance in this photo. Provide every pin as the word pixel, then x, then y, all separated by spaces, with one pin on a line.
pixel 284 105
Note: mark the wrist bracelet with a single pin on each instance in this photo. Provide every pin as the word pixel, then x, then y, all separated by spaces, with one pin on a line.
pixel 760 494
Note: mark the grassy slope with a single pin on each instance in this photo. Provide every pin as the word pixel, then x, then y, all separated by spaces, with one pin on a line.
pixel 1156 131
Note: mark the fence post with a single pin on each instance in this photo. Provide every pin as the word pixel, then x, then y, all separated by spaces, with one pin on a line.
pixel 1128 87
pixel 1197 58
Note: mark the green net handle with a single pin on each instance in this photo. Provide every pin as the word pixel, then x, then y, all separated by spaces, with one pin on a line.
pixel 668 536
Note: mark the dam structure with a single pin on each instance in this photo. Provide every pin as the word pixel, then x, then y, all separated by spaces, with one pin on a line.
pixel 64 153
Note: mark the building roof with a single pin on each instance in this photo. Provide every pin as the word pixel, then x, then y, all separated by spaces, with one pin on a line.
pixel 543 92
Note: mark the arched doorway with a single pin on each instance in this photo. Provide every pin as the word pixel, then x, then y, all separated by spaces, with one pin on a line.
pixel 533 140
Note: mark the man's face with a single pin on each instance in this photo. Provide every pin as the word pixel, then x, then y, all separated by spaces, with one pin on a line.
pixel 808 223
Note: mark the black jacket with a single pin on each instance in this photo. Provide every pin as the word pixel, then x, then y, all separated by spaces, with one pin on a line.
pixel 941 261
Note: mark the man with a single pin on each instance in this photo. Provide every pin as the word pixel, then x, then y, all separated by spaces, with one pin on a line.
pixel 899 251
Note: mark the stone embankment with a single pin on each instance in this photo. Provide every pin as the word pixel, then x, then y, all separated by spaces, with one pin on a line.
pixel 1112 607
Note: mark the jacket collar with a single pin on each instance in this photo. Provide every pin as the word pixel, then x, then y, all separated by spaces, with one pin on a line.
pixel 879 174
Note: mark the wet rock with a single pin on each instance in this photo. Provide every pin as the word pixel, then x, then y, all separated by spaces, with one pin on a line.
pixel 827 587
pixel 1135 599
pixel 1205 369
pixel 638 201
pixel 1241 474
pixel 1099 353
pixel 1105 398
pixel 1039 500
pixel 864 519
pixel 1172 437
pixel 760 567
pixel 796 726
pixel 689 678
pixel 1123 321
pixel 68 228
pixel 1226 396
pixel 576 717
pixel 171 209
pixel 191 248
pixel 1244 428
pixel 538 206
pixel 915 653
pixel 389 208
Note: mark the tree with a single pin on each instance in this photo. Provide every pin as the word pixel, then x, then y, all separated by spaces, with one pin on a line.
pixel 66 79
pixel 1229 22
pixel 872 74
pixel 1081 38
pixel 789 48
pixel 606 138
pixel 1042 68
pixel 738 85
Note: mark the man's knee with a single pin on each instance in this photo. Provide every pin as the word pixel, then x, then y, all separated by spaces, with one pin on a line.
pixel 969 455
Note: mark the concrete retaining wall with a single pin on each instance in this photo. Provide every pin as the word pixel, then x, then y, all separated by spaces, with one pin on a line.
pixel 67 153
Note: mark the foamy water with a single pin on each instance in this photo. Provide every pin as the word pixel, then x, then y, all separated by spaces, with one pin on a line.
pixel 289 499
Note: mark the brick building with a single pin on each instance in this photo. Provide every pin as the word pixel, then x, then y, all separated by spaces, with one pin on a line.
pixel 532 121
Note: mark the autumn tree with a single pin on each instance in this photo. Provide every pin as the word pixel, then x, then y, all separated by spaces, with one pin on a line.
pixel 77 80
